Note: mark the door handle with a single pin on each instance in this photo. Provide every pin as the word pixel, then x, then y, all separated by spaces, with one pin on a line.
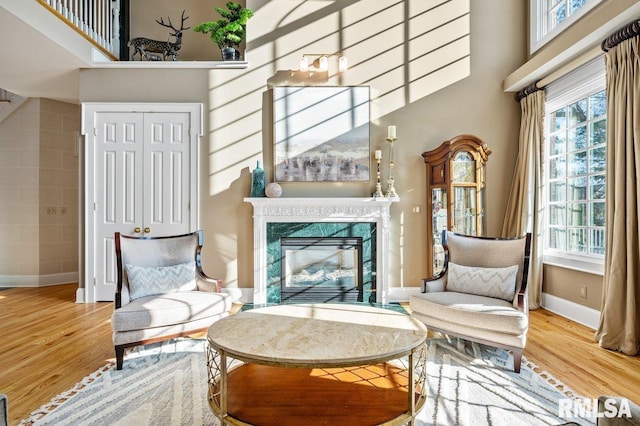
pixel 147 230
pixel 137 230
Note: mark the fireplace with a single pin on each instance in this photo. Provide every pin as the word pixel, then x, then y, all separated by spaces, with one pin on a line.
pixel 275 218
pixel 314 243
pixel 321 269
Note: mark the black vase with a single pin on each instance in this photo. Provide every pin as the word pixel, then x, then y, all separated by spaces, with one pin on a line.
pixel 230 54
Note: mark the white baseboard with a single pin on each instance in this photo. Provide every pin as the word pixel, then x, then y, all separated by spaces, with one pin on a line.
pixel 38 280
pixel 80 296
pixel 574 311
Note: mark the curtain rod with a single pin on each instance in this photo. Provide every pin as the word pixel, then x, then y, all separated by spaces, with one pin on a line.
pixel 624 33
pixel 532 88
pixel 630 30
pixel 560 72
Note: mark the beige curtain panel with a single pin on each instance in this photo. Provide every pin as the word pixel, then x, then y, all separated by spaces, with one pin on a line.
pixel 619 327
pixel 523 207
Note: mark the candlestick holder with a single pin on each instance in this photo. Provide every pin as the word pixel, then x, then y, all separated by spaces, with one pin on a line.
pixel 378 192
pixel 391 190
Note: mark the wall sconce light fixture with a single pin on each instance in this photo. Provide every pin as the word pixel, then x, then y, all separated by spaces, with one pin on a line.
pixel 321 62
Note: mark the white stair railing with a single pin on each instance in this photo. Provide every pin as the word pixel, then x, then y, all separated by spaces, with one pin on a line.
pixel 97 20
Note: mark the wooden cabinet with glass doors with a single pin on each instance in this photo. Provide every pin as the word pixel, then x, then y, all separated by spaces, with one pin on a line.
pixel 455 193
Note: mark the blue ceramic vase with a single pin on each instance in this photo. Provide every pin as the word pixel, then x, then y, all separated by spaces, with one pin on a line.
pixel 257 181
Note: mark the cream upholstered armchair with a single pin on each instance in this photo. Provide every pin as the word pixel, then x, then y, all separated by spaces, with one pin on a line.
pixel 481 293
pixel 162 291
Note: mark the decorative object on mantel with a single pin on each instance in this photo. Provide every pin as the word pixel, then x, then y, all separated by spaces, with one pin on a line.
pixel 273 190
pixel 229 31
pixel 391 138
pixel 145 47
pixel 321 134
pixel 378 157
pixel 257 181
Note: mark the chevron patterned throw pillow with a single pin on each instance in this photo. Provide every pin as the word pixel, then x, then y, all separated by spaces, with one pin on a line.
pixel 145 281
pixel 491 282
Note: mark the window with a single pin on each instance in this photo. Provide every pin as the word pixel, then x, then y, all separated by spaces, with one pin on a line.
pixel 550 17
pixel 559 10
pixel 575 159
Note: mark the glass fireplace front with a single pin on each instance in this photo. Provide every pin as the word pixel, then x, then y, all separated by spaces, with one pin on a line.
pixel 321 269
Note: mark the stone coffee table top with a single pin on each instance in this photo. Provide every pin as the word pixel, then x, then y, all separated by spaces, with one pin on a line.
pixel 317 335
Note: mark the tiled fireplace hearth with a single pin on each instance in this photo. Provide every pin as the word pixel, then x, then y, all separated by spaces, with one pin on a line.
pixel 363 219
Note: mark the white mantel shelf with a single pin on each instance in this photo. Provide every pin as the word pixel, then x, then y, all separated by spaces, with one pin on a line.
pixel 340 206
pixel 320 209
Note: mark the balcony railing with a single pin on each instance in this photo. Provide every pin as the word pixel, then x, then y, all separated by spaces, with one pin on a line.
pixel 97 20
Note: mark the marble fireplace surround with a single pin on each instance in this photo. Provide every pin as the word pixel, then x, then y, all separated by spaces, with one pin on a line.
pixel 311 210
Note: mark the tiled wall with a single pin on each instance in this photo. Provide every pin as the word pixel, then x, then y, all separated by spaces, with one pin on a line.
pixel 58 201
pixel 19 191
pixel 39 192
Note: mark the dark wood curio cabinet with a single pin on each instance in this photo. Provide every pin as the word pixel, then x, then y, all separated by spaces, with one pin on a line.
pixel 455 193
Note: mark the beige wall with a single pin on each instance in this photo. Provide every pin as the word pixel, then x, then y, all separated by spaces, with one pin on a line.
pixel 195 46
pixel 432 82
pixel 39 193
pixel 566 284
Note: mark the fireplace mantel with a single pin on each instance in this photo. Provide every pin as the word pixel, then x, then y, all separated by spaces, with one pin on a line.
pixel 335 209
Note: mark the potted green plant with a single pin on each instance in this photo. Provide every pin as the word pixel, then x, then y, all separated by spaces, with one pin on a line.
pixel 229 31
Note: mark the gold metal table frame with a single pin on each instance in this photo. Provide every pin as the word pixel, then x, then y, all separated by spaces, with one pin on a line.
pixel 223 355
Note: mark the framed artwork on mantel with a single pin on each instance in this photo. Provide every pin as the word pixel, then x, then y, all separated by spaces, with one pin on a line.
pixel 321 134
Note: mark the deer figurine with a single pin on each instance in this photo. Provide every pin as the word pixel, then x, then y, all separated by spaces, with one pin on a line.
pixel 143 46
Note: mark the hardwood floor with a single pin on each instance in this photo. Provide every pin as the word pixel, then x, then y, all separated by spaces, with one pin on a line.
pixel 374 394
pixel 49 343
pixel 569 352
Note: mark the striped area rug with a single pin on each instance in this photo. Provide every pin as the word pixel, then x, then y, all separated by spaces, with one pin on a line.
pixel 474 384
pixel 165 384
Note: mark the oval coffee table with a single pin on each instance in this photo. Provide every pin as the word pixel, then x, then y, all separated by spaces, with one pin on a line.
pixel 316 336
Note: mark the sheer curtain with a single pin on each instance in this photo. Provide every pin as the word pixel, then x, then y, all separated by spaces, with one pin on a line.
pixel 523 207
pixel 619 327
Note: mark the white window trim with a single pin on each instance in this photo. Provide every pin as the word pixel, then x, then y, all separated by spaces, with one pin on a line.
pixel 582 263
pixel 589 78
pixel 538 35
